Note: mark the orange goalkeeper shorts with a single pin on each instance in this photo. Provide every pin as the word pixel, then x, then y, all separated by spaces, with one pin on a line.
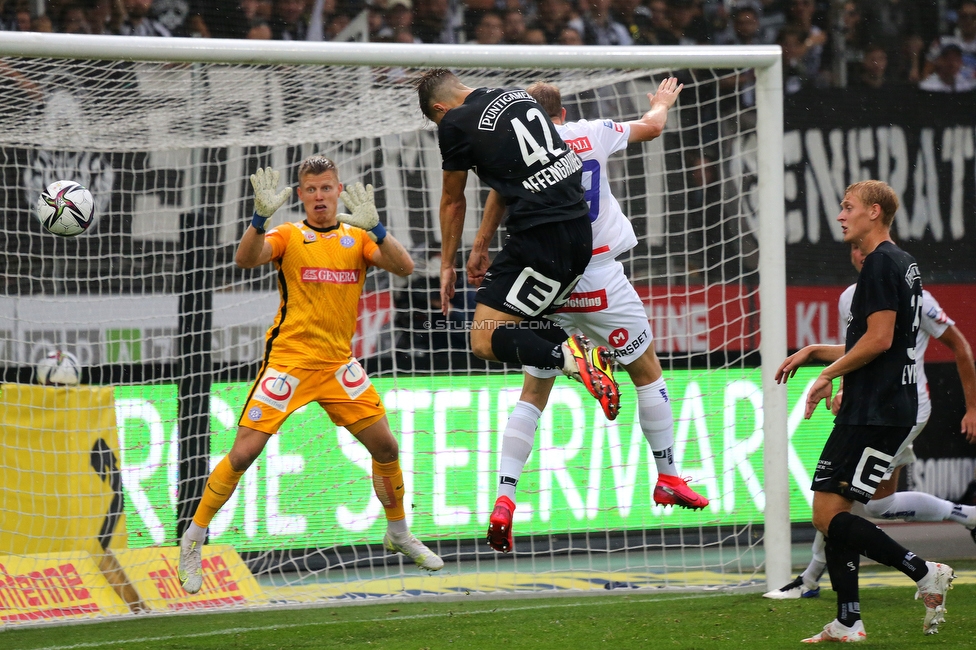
pixel 343 390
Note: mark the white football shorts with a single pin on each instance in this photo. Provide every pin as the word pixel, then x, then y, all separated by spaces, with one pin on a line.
pixel 605 307
pixel 906 453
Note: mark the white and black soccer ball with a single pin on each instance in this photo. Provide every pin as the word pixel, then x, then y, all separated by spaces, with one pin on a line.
pixel 65 208
pixel 58 368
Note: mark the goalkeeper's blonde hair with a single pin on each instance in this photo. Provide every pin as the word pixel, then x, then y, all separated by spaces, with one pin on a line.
pixel 871 192
pixel 316 165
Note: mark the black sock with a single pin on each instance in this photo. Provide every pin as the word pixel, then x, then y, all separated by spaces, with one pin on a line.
pixel 522 345
pixel 843 563
pixel 867 539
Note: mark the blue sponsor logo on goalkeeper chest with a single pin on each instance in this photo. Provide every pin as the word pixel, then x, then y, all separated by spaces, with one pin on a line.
pixel 347 241
pixel 489 117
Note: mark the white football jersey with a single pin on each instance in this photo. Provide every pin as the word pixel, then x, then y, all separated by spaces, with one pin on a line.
pixel 594 142
pixel 933 321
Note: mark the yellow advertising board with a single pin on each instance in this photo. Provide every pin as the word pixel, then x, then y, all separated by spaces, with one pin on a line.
pixel 226 579
pixel 60 478
pixel 54 586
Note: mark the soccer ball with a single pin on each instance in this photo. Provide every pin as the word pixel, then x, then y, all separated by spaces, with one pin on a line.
pixel 58 368
pixel 65 208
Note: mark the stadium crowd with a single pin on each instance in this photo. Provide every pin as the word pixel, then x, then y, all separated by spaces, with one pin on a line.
pixel 866 43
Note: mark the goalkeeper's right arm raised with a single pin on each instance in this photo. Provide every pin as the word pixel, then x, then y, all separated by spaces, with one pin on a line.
pixel 253 249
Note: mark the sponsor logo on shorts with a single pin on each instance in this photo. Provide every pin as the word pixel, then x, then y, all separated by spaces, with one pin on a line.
pixel 870 471
pixel 580 145
pixel 619 337
pixel 632 347
pixel 586 301
pixel 331 276
pixel 276 389
pixel 347 242
pixel 532 293
pixel 254 413
pixel 353 379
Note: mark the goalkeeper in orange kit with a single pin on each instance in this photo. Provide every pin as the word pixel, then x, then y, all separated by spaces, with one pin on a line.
pixel 321 264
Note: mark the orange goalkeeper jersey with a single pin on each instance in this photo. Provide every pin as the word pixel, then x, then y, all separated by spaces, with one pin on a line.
pixel 320 279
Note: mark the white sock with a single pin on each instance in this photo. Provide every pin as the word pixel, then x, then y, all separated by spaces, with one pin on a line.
pixel 517 444
pixel 965 515
pixel 195 533
pixel 397 528
pixel 657 423
pixel 910 506
pixel 811 575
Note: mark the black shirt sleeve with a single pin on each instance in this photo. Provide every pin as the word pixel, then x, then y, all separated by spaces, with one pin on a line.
pixel 880 285
pixel 455 147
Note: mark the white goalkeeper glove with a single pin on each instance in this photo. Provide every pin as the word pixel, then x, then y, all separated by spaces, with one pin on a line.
pixel 266 200
pixel 359 200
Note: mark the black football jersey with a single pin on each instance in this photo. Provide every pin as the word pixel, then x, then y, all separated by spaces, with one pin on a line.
pixel 884 392
pixel 510 142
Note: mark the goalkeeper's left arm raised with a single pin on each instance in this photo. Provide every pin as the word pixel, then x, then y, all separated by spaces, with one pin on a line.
pixel 391 256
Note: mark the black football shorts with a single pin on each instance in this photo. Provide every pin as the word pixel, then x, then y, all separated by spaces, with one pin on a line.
pixel 537 268
pixel 856 458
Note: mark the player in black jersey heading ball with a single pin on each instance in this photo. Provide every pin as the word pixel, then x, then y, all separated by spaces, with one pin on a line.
pixel 877 413
pixel 510 142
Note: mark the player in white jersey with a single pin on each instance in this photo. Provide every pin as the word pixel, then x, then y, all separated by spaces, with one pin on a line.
pixel 603 306
pixel 887 502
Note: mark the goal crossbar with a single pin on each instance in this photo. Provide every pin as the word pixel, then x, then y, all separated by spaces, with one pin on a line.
pixel 130 48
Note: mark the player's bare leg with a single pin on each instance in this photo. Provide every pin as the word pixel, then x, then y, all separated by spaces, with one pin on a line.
pixel 657 423
pixel 887 503
pixel 846 532
pixel 497 336
pixel 223 480
pixel 389 488
pixel 517 443
pixel 656 420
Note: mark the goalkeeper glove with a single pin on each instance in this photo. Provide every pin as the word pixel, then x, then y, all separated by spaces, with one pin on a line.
pixel 266 201
pixel 359 200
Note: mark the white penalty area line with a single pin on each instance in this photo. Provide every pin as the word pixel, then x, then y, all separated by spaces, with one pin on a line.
pixel 266 628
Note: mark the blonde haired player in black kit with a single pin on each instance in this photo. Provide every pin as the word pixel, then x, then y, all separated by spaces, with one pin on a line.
pixel 506 137
pixel 876 416
pixel 604 306
pixel 887 502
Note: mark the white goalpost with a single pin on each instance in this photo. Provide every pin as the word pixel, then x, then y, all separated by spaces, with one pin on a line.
pixel 97 480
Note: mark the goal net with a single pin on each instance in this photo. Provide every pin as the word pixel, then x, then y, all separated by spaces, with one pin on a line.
pixel 101 478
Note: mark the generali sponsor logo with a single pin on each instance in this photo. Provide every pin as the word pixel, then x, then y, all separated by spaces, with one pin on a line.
pixel 332 276
pixel 586 301
pixel 52 592
pixel 579 145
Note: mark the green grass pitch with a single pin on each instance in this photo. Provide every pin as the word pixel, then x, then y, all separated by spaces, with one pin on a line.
pixel 893 620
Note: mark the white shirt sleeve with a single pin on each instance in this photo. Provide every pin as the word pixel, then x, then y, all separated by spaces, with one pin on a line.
pixel 611 136
pixel 933 319
pixel 844 308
